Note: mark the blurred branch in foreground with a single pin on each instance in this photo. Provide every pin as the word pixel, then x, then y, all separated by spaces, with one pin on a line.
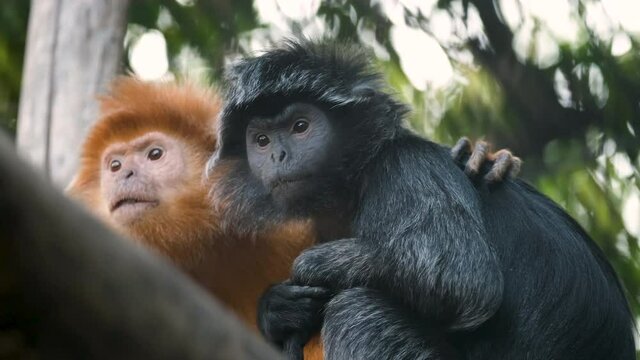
pixel 70 288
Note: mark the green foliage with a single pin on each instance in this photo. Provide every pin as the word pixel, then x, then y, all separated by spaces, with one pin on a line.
pixel 211 27
pixel 476 109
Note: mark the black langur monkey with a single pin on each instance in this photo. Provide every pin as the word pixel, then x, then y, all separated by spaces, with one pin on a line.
pixel 416 262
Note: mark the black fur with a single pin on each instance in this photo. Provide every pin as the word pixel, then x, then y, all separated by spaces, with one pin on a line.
pixel 292 315
pixel 329 74
pixel 436 268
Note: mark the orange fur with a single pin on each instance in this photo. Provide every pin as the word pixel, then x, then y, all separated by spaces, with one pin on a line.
pixel 184 228
pixel 314 350
pixel 235 268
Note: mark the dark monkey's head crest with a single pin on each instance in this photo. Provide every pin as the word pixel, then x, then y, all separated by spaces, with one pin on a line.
pixel 336 76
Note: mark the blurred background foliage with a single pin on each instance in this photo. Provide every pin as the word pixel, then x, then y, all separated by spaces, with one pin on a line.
pixel 556 81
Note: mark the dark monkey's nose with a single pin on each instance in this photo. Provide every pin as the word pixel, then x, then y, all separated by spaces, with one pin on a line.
pixel 281 157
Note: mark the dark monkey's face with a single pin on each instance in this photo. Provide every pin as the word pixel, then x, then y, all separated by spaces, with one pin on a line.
pixel 292 151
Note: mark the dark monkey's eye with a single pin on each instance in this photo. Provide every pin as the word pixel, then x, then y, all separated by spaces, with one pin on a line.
pixel 262 140
pixel 115 165
pixel 155 154
pixel 300 126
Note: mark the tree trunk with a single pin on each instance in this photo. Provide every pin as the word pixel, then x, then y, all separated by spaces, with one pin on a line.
pixel 73 51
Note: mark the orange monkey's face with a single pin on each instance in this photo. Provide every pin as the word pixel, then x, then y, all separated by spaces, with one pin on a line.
pixel 140 175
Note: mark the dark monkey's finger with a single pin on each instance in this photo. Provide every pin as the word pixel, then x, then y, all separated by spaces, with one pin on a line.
pixel 461 149
pixel 516 165
pixel 294 347
pixel 501 165
pixel 477 158
pixel 505 164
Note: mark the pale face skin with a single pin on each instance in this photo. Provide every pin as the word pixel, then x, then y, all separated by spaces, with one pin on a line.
pixel 139 175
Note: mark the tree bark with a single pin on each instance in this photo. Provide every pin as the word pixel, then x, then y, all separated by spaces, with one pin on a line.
pixel 71 289
pixel 73 51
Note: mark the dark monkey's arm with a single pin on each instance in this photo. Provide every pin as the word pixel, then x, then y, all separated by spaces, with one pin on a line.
pixel 477 162
pixel 420 239
pixel 355 264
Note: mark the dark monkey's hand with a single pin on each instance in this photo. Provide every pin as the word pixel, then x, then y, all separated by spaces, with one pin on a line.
pixel 480 162
pixel 289 315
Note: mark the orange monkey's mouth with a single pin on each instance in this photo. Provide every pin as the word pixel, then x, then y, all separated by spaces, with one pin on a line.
pixel 135 202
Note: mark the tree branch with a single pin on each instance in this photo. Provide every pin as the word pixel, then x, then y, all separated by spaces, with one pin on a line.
pixel 86 293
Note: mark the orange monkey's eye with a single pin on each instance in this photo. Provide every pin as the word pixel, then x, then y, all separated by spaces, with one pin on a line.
pixel 155 154
pixel 115 165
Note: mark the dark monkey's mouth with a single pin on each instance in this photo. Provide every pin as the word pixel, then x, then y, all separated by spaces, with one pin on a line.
pixel 287 181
